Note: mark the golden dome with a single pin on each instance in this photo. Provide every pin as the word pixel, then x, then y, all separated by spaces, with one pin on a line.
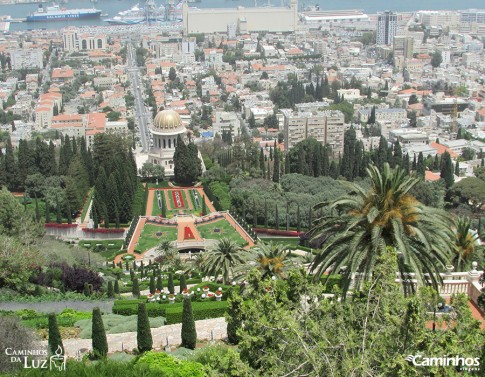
pixel 168 121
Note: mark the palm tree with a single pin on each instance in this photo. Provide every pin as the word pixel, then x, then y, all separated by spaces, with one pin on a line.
pixel 167 253
pixel 362 226
pixel 223 258
pixel 272 259
pixel 465 243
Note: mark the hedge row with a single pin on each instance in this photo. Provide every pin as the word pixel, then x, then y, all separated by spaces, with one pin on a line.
pixel 201 310
pixel 172 312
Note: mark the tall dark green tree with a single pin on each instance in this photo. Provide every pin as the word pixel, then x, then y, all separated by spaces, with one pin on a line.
pixel 99 340
pixel 276 166
pixel 171 287
pixel 159 283
pixel 447 170
pixel 55 340
pixel 420 166
pixel 117 287
pixel 135 289
pixel 143 333
pixel 110 291
pixel 183 282
pixel 152 285
pixel 188 333
pixel 234 317
pixel 187 166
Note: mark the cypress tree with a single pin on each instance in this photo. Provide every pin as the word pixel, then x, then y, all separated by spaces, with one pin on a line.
pixel 436 162
pixel 152 284
pixel 234 317
pixel 143 333
pixel 47 212
pixel 159 283
pixel 405 163
pixel 135 289
pixel 420 167
pixel 100 343
pixel 310 218
pixel 86 290
pixel 204 206
pixel 58 211
pixel 55 339
pixel 277 218
pixel 447 170
pixel 132 274
pixel 37 212
pixel 276 167
pixel 117 287
pixel 188 334
pixel 171 287
pixel 457 169
pixel 255 215
pixel 110 292
pixel 265 214
pixel 298 219
pixel 183 284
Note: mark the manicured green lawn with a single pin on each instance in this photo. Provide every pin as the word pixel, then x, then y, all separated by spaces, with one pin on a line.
pixel 225 231
pixel 157 211
pixel 149 238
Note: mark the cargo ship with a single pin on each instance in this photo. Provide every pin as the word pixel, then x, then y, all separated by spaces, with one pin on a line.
pixel 56 13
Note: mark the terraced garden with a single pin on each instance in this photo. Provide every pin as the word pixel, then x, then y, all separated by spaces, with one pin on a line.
pixel 153 234
pixel 220 229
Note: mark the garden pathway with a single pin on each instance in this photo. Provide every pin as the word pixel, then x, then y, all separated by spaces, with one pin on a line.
pixel 134 241
pixel 240 230
pixel 207 329
pixel 148 211
pixel 167 200
pixel 188 199
pixel 184 221
pixel 209 204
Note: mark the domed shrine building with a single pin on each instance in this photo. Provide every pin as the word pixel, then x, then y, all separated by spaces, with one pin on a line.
pixel 165 129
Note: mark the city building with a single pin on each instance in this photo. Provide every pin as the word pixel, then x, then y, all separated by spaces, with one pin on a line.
pixel 26 58
pixel 472 16
pixel 74 40
pixel 325 126
pixel 403 46
pixel 386 28
pixel 217 20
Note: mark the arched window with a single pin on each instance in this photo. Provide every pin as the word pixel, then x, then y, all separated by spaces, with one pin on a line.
pixel 174 143
pixel 100 43
pixel 169 143
pixel 164 145
pixel 84 45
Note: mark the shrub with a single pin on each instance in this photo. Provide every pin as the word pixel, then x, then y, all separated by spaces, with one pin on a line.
pixel 143 332
pixel 55 340
pixel 169 366
pixel 100 343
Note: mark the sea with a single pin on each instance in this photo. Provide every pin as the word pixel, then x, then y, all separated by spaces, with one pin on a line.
pixel 110 8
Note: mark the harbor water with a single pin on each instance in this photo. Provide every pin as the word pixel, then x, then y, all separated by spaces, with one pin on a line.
pixel 110 8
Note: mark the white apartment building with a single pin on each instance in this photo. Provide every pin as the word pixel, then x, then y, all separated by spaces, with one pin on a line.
pixel 26 58
pixel 325 126
pixel 386 28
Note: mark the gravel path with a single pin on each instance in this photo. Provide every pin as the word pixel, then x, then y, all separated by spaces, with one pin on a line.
pixel 58 306
pixel 207 329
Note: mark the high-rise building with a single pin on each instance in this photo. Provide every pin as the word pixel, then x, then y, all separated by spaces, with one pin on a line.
pixel 386 27
pixel 325 126
pixel 403 46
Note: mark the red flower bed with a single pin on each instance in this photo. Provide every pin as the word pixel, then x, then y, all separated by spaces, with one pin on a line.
pixel 178 199
pixel 188 235
pixel 60 226
pixel 102 230
pixel 289 233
